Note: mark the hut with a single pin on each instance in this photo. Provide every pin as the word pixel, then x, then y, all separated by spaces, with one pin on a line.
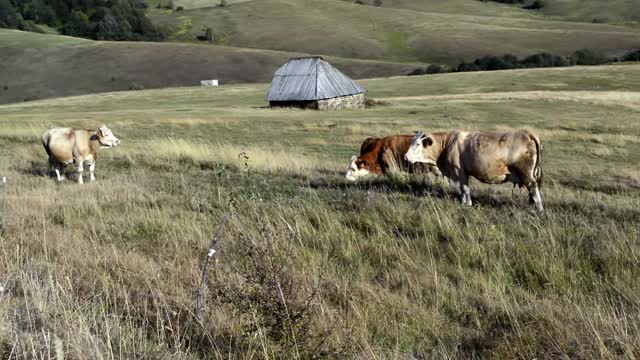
pixel 312 83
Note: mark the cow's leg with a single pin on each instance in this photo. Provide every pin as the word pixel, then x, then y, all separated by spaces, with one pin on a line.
pixel 465 190
pixel 57 167
pixel 92 167
pixel 80 171
pixel 535 197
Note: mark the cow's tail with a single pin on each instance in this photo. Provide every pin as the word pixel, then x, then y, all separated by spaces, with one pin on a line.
pixel 45 141
pixel 538 174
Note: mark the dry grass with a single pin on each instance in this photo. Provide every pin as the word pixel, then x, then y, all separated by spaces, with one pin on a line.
pixel 393 267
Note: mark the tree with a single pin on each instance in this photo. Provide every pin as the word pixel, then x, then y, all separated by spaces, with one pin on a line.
pixel 78 24
pixel 10 18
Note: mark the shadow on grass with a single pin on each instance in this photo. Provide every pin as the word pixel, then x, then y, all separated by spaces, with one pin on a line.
pixel 35 168
pixel 41 168
pixel 418 186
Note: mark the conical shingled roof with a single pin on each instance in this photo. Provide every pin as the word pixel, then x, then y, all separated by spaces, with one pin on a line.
pixel 310 78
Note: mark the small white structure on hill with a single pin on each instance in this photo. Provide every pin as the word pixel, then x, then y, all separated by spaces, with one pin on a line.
pixel 311 82
pixel 208 82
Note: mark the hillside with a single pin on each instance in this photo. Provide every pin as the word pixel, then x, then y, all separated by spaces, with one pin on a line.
pixel 74 66
pixel 613 11
pixel 368 32
pixel 386 268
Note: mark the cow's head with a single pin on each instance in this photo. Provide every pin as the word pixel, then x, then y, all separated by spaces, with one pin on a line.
pixel 356 169
pixel 422 150
pixel 106 137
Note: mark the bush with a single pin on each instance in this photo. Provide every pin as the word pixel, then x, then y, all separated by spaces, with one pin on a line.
pixel 135 86
pixel 467 67
pixel 545 60
pixel 588 57
pixel 279 303
pixel 166 4
pixel 417 71
pixel 435 69
pixel 359 2
pixel 179 8
pixel 634 56
pixel 536 5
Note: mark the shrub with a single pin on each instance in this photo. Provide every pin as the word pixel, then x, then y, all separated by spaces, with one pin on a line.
pixel 417 71
pixel 536 5
pixel 166 4
pixel 588 57
pixel 279 304
pixel 179 8
pixel 634 56
pixel 359 2
pixel 135 86
pixel 464 66
pixel 377 2
pixel 435 69
pixel 541 60
pixel 493 63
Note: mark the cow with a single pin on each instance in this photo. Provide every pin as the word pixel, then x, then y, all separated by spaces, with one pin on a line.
pixel 378 156
pixel 68 146
pixel 491 157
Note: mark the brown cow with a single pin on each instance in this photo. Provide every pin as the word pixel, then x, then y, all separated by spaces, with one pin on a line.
pixel 491 157
pixel 68 146
pixel 380 155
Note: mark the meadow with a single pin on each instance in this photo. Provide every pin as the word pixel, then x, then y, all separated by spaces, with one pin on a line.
pixel 454 31
pixel 310 264
pixel 70 65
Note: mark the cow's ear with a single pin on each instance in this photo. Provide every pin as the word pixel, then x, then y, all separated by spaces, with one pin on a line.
pixel 428 141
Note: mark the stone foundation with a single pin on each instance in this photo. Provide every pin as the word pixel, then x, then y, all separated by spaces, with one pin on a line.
pixel 343 102
pixel 356 101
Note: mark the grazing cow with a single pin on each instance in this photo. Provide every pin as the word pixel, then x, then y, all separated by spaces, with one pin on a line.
pixel 379 155
pixel 68 146
pixel 491 157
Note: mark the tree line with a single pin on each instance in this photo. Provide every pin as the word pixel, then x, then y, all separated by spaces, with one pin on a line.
pixel 539 60
pixel 93 19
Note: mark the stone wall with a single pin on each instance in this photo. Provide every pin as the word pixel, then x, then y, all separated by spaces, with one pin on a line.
pixel 344 102
pixel 356 101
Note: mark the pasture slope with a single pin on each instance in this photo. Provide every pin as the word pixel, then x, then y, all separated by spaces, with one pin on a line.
pixel 385 268
pixel 345 29
pixel 63 66
pixel 612 11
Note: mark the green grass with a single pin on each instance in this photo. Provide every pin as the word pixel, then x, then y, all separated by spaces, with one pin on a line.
pixel 368 32
pixel 400 269
pixel 616 11
pixel 15 39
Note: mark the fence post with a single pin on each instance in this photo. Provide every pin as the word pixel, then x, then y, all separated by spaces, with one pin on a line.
pixel 4 194
pixel 203 279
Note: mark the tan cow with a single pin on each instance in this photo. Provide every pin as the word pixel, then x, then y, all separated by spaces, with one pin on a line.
pixel 68 146
pixel 491 157
pixel 379 155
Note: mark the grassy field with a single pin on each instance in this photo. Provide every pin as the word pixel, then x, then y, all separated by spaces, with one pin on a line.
pixel 39 66
pixel 616 11
pixel 368 32
pixel 385 268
